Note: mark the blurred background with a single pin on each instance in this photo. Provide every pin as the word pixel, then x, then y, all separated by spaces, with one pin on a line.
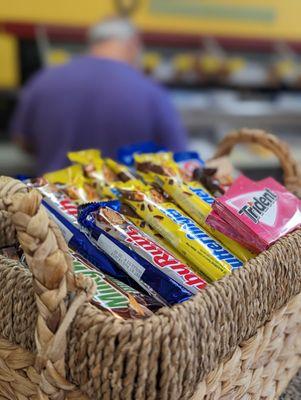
pixel 226 64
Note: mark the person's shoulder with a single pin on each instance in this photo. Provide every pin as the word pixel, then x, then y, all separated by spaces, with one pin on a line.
pixel 148 83
pixel 45 74
pixel 156 90
pixel 75 63
pixel 50 77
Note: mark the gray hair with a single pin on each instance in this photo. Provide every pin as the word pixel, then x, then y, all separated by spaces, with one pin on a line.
pixel 114 28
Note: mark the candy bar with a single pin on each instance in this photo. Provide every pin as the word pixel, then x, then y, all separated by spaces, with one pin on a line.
pixel 72 181
pixel 204 253
pixel 64 212
pixel 122 172
pixel 93 166
pixel 137 254
pixel 112 295
pixel 126 153
pixel 192 198
pixel 130 214
pixel 148 247
pixel 188 161
pixel 206 176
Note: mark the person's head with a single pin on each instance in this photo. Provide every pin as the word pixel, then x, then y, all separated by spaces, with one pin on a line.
pixel 115 38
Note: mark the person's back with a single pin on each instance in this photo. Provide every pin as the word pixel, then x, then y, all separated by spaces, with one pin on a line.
pixel 93 102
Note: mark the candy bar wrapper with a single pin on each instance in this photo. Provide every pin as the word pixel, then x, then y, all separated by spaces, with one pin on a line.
pixel 137 254
pixel 72 181
pixel 143 226
pixel 263 211
pixel 107 192
pixel 122 172
pixel 161 169
pixel 207 177
pixel 111 295
pixel 188 161
pixel 64 212
pixel 225 172
pixel 193 198
pixel 108 218
pixel 114 296
pixel 203 252
pixel 93 166
pixel 126 153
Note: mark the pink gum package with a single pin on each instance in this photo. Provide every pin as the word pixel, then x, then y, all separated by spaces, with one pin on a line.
pixel 261 211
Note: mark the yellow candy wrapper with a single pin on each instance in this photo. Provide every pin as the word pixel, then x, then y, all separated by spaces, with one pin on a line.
pixel 193 198
pixel 93 166
pixel 107 193
pixel 73 183
pixel 203 252
pixel 122 172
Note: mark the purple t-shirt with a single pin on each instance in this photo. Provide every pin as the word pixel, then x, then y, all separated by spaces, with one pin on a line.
pixel 93 103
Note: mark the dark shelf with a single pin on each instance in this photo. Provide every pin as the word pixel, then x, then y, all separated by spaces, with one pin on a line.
pixel 238 88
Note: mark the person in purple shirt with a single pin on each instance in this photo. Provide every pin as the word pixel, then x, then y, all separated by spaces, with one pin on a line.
pixel 99 100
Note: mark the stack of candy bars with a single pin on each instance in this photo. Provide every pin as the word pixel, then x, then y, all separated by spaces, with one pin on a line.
pixel 155 233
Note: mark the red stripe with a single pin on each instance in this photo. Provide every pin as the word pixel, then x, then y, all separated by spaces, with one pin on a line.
pixel 78 34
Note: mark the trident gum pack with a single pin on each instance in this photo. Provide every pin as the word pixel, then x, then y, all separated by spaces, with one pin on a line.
pixel 259 212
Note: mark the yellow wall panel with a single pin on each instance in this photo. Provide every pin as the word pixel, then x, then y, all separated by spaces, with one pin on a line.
pixel 73 12
pixel 249 18
pixel 8 62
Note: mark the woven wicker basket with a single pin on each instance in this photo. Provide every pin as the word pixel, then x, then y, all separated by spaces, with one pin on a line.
pixel 238 339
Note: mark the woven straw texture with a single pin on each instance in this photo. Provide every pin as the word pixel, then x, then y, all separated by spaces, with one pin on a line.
pixel 239 337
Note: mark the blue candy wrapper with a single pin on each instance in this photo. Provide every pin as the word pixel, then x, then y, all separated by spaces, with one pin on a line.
pixel 114 235
pixel 125 154
pixel 184 156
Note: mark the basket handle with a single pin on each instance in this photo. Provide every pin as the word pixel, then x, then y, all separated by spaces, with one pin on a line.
pixel 53 280
pixel 291 169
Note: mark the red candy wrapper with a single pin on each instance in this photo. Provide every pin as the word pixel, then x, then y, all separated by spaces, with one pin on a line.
pixel 256 213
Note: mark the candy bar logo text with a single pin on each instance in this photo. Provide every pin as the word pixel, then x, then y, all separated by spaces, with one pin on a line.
pixel 162 258
pixel 203 195
pixel 193 232
pixel 256 208
pixel 105 294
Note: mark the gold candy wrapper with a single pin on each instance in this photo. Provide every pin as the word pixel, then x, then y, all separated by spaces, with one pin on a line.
pixel 122 172
pixel 72 181
pixel 93 165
